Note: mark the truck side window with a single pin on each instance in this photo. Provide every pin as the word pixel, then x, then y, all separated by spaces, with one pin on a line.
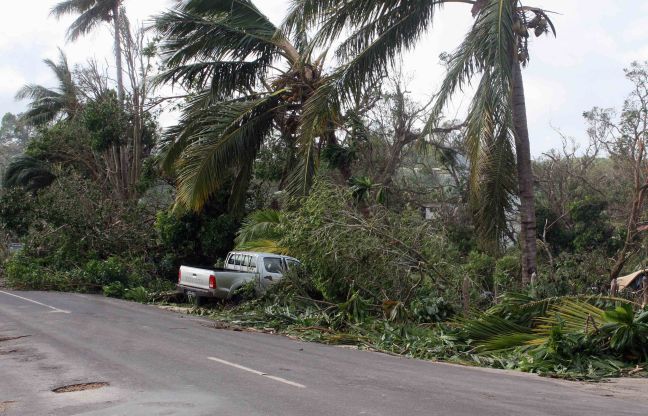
pixel 272 264
pixel 253 263
pixel 231 259
pixel 237 260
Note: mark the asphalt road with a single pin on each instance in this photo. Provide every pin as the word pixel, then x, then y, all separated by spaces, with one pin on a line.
pixel 163 363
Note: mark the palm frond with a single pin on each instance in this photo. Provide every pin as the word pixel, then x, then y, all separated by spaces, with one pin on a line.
pixel 220 140
pixel 222 78
pixel 573 316
pixel 91 13
pixel 261 225
pixel 71 6
pixel 238 193
pixel 303 175
pixel 28 173
pixel 263 246
pixel 215 30
pixel 47 104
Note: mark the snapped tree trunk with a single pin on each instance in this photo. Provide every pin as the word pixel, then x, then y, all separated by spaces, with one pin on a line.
pixel 525 177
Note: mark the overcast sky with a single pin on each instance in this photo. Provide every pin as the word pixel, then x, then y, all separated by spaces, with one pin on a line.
pixel 580 69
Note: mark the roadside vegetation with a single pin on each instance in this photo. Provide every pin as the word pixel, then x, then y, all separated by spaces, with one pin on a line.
pixel 419 234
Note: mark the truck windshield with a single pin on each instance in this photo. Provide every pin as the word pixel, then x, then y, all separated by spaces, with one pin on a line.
pixel 272 264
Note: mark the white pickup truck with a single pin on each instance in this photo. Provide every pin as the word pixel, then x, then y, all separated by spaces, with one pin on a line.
pixel 240 268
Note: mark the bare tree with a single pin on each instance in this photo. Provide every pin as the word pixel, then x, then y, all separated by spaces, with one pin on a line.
pixel 624 140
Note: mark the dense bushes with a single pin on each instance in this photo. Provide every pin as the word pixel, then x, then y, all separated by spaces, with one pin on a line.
pixel 196 239
pixel 381 257
pixel 77 238
pixel 114 276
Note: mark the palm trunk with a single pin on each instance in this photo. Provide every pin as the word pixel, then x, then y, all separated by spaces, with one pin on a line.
pixel 525 177
pixel 118 53
pixel 123 172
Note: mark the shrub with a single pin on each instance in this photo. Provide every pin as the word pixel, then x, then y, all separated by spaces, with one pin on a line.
pixel 198 239
pixel 431 309
pixel 107 271
pixel 26 273
pixel 507 273
pixel 137 294
pixel 114 290
pixel 481 267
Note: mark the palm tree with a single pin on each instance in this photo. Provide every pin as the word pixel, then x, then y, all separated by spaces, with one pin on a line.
pixel 496 48
pixel 49 104
pixel 248 83
pixel 92 13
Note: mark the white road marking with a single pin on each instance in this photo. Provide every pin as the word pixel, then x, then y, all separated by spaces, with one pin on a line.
pixel 54 310
pixel 258 373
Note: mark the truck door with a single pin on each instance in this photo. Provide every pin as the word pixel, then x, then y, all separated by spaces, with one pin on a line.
pixel 271 270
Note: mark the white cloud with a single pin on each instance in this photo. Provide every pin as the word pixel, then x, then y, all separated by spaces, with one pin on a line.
pixel 581 68
pixel 10 81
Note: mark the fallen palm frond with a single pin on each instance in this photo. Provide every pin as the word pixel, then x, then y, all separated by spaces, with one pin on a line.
pixel 521 321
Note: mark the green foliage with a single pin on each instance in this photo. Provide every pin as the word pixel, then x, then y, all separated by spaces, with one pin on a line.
pixel 108 271
pixel 137 294
pixel 462 236
pixel 105 120
pixel 261 231
pixel 627 332
pixel 566 336
pixel 149 176
pixel 338 156
pixel 195 238
pixel 428 309
pixel 26 273
pixel 481 267
pixel 16 211
pixel 575 273
pixel 592 225
pixel 382 256
pixel 246 293
pixel 558 236
pixel 28 173
pixel 507 271
pixel 114 290
pixel 47 104
pixel 77 238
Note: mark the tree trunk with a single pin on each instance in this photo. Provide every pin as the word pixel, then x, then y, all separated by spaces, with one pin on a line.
pixel 525 177
pixel 118 52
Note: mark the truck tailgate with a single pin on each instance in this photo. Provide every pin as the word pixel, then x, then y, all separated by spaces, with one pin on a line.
pixel 194 277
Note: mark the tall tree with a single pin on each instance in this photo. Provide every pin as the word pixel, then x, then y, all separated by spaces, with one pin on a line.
pixel 49 104
pixel 92 13
pixel 496 48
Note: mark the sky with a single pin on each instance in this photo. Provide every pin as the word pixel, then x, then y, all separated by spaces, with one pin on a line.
pixel 570 74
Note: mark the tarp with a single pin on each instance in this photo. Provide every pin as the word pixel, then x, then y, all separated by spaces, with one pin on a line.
pixel 628 280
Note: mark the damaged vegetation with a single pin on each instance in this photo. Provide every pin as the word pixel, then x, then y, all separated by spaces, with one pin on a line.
pixel 419 234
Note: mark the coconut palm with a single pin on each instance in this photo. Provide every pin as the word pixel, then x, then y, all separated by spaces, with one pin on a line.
pixel 91 14
pixel 49 104
pixel 495 48
pixel 248 83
